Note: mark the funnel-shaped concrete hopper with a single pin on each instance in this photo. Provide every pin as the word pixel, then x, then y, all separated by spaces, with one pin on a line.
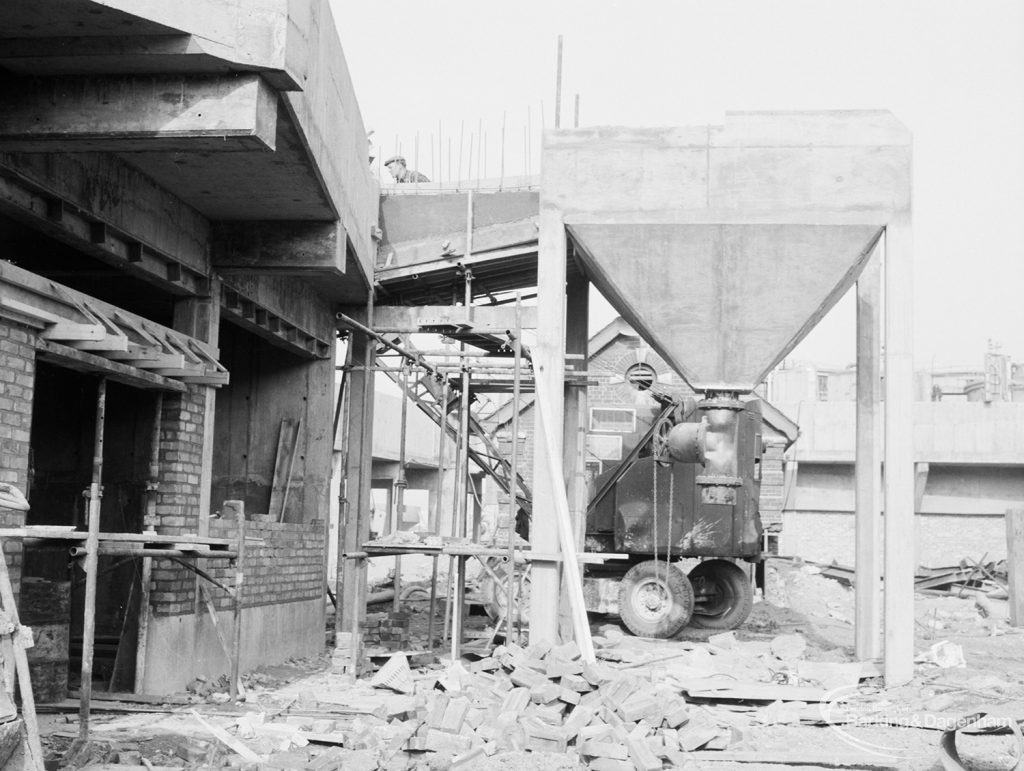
pixel 724 245
pixel 723 303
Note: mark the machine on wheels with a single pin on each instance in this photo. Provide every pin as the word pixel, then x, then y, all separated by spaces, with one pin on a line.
pixel 689 489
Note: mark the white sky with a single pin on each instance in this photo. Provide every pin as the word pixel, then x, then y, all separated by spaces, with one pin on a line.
pixel 953 71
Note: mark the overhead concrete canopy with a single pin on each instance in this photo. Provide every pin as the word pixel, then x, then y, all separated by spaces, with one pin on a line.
pixel 724 245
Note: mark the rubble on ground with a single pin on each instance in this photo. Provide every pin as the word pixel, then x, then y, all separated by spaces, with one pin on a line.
pixel 721 698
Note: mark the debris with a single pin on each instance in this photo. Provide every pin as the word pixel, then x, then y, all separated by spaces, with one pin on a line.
pixel 225 738
pixel 944 654
pixel 800 758
pixel 718 688
pixel 949 756
pixel 789 647
pixel 395 674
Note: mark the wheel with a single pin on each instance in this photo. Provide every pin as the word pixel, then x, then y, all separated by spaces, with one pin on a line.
pixel 723 593
pixel 494 593
pixel 655 599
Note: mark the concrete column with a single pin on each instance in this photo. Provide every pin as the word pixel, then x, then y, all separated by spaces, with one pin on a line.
pixel 868 477
pixel 358 465
pixel 574 433
pixel 549 357
pixel 899 452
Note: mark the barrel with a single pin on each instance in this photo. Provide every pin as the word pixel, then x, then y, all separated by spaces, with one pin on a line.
pixel 45 606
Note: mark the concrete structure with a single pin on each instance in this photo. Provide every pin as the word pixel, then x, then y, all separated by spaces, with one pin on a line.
pixel 185 202
pixel 969 469
pixel 999 380
pixel 723 245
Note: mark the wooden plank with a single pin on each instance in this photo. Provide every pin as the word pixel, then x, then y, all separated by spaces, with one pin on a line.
pixel 107 344
pixel 899 452
pixel 63 331
pixel 204 593
pixel 32 286
pixel 827 759
pixel 28 704
pixel 714 688
pixel 116 371
pixel 1015 564
pixel 58 533
pixel 572 575
pixel 486 319
pixel 287 446
pixel 29 310
pixel 868 475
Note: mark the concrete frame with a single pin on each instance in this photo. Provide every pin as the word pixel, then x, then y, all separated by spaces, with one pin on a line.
pixel 824 169
pixel 263 87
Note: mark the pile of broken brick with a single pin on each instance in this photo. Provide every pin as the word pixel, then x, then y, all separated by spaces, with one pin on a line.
pixel 544 698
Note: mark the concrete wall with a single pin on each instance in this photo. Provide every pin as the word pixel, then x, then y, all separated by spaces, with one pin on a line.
pixel 940 540
pixel 180 647
pixel 269 385
pixel 421 436
pixel 944 432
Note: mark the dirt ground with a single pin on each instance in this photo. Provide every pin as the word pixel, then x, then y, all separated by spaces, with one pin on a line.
pixel 304 714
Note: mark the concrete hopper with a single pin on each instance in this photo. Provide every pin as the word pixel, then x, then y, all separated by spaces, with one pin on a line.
pixel 723 304
pixel 724 245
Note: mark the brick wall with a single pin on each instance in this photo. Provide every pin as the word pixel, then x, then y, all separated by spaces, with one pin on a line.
pixel 17 378
pixel 772 485
pixel 177 507
pixel 289 567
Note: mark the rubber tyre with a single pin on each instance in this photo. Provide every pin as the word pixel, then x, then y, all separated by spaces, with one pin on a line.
pixel 733 595
pixel 495 596
pixel 649 583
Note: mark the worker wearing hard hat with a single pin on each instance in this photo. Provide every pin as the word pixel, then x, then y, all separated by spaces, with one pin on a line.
pixel 396 165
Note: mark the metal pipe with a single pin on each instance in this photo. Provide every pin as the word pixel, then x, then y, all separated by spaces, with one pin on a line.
pixel 463 472
pixel 359 574
pixel 343 508
pixel 239 583
pixel 92 561
pixel 558 86
pixel 118 550
pixel 400 485
pixel 454 527
pixel 146 577
pixel 442 443
pixel 513 501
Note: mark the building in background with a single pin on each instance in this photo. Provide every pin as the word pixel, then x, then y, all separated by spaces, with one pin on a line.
pixel 969 452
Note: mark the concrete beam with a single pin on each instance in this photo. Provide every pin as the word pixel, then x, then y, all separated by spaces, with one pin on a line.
pixel 492 320
pixel 104 188
pixel 316 251
pixel 281 310
pixel 138 113
pixel 61 219
pixel 179 53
